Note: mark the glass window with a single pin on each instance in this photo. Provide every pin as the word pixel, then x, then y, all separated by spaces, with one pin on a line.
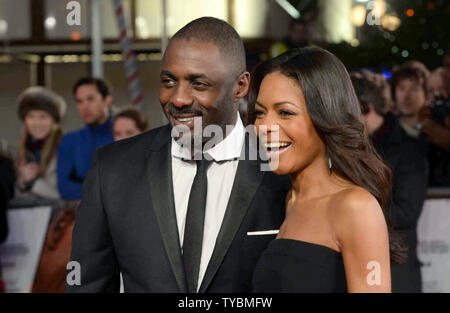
pixel 250 18
pixel 56 26
pixel 149 15
pixel 15 20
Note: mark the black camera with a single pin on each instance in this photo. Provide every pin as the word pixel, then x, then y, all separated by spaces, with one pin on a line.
pixel 440 110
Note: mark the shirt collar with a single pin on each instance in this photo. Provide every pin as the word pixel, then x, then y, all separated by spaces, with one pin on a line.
pixel 106 126
pixel 228 149
pixel 412 131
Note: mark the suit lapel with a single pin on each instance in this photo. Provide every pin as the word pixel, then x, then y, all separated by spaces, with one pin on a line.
pixel 246 182
pixel 159 171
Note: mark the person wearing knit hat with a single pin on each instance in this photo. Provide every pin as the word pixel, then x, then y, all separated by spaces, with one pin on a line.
pixel 41 99
pixel 41 111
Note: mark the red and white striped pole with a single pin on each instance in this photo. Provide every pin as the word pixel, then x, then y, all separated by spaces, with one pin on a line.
pixel 131 71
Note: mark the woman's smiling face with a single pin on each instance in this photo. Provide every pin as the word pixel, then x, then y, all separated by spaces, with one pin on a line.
pixel 284 125
pixel 38 124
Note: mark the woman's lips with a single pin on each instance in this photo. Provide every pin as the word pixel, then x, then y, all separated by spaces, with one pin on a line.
pixel 274 149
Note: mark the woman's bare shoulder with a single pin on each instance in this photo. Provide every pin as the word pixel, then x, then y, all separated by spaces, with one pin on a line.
pixel 356 210
pixel 355 198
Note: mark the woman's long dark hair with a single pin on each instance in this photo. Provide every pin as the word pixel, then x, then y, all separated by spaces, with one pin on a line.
pixel 335 112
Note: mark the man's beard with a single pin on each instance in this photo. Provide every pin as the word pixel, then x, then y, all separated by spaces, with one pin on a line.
pixel 195 139
pixel 100 120
pixel 187 137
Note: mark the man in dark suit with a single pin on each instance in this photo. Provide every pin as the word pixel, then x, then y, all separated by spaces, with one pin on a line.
pixel 409 192
pixel 165 220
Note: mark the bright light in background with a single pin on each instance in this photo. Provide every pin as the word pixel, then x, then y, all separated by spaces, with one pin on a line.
pixel 379 8
pixel 3 27
pixel 75 36
pixel 336 20
pixel 141 24
pixel 354 42
pixel 358 15
pixel 387 74
pixel 249 19
pixel 359 12
pixel 410 12
pixel 182 12
pixel 289 8
pixel 390 22
pixel 50 22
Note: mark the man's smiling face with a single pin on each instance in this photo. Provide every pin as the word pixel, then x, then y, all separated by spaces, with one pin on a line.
pixel 196 84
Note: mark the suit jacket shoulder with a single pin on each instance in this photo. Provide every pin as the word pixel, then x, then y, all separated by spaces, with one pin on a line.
pixel 126 150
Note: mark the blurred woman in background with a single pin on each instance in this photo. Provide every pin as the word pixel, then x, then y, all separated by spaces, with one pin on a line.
pixel 128 123
pixel 40 111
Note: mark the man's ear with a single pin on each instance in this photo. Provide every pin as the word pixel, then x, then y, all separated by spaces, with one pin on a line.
pixel 243 83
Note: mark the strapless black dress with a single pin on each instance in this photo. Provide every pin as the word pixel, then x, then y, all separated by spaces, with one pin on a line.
pixel 289 265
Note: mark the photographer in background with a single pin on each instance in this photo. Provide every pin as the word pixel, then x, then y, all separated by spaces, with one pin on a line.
pixel 297 38
pixel 408 165
pixel 436 126
pixel 409 91
pixel 427 122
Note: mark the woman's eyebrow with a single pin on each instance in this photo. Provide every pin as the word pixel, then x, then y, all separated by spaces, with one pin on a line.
pixel 278 103
pixel 284 102
pixel 260 104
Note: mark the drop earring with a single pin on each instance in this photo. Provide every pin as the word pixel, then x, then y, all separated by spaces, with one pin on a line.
pixel 329 164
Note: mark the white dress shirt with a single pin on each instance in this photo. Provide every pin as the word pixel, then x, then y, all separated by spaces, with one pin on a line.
pixel 220 182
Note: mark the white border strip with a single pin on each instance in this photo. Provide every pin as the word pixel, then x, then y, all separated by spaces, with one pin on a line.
pixel 263 232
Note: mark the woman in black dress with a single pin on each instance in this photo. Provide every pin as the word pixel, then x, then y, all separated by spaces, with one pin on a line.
pixel 336 236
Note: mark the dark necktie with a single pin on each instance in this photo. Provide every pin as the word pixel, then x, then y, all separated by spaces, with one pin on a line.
pixel 195 220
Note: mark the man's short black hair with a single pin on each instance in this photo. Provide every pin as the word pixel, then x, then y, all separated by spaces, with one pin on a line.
pixel 408 73
pixel 102 85
pixel 369 92
pixel 221 34
pixel 297 21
